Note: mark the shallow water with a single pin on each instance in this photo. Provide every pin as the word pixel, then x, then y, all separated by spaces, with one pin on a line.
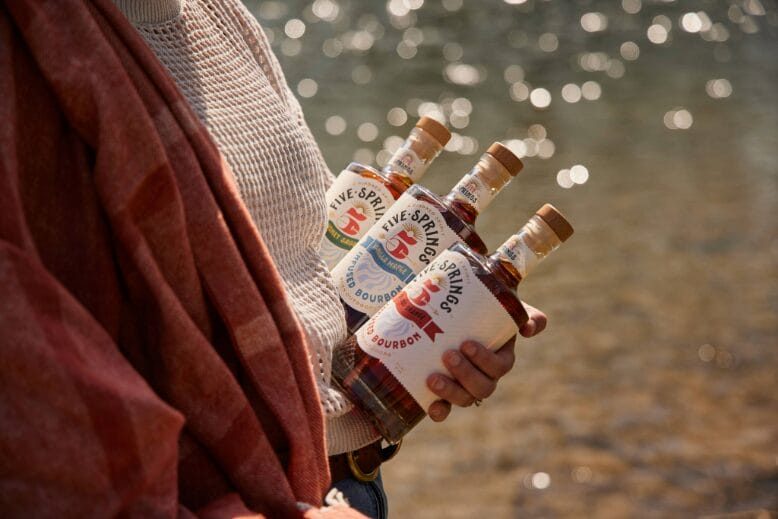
pixel 653 391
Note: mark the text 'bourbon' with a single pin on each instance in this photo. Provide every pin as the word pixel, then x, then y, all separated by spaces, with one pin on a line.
pixel 460 296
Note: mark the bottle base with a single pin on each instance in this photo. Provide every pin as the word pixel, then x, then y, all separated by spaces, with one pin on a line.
pixel 389 424
pixel 386 403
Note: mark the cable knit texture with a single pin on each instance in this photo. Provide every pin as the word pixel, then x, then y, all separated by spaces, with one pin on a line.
pixel 223 64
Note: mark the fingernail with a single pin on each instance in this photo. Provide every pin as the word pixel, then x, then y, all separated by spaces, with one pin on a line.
pixel 469 349
pixel 438 384
pixel 454 358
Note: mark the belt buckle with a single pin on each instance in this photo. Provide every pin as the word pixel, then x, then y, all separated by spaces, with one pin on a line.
pixel 366 477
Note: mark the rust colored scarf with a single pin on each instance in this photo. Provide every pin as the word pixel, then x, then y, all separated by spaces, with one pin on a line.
pixel 150 365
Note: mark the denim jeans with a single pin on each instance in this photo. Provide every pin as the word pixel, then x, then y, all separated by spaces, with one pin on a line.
pixel 368 498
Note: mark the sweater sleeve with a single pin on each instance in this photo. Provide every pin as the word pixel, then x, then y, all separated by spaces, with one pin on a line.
pixel 260 46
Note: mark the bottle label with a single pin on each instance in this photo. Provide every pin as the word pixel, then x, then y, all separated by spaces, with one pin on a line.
pixel 474 191
pixel 407 161
pixel 354 204
pixel 445 305
pixel 519 253
pixel 404 241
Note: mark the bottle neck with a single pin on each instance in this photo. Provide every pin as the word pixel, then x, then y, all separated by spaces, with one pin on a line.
pixel 411 160
pixel 478 188
pixel 520 253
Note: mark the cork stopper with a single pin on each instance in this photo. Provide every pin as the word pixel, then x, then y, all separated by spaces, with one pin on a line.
pixel 439 132
pixel 556 221
pixel 506 157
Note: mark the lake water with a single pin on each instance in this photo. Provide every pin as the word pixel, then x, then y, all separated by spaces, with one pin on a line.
pixel 654 127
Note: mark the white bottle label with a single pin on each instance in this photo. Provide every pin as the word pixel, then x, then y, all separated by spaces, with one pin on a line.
pixel 443 307
pixel 404 241
pixel 521 256
pixel 406 160
pixel 474 191
pixel 354 204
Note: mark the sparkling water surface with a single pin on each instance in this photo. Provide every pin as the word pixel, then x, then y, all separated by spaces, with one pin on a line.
pixel 653 126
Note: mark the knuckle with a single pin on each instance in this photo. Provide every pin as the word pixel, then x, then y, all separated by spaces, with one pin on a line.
pixel 484 389
pixel 507 363
pixel 462 398
pixel 446 391
pixel 455 394
pixel 439 385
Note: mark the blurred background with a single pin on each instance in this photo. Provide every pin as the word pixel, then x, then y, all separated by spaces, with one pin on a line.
pixel 654 126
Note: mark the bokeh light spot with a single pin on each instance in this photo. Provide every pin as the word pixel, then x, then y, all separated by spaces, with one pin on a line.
pixel 563 179
pixel 548 42
pixel 718 88
pixel 594 22
pixel 541 480
pixel 540 98
pixel 335 125
pixel 579 174
pixel 294 28
pixel 591 90
pixel 307 87
pixel 657 34
pixel 629 50
pixel 397 116
pixel 367 132
pixel 571 93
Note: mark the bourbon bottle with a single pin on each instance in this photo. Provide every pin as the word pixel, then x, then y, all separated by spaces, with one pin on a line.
pixel 418 227
pixel 460 296
pixel 361 195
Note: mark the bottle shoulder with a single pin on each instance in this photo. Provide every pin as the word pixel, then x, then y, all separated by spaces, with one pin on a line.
pixel 494 282
pixel 396 186
pixel 478 261
pixel 417 190
pixel 455 220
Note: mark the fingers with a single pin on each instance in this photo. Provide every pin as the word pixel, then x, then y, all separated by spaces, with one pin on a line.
pixel 477 383
pixel 493 364
pixel 536 324
pixel 439 410
pixel 470 382
pixel 450 390
pixel 475 370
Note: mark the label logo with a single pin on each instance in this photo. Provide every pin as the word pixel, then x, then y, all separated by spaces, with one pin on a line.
pixel 469 189
pixel 398 244
pixel 444 305
pixel 403 242
pixel 405 162
pixel 410 304
pixel 350 221
pixel 354 204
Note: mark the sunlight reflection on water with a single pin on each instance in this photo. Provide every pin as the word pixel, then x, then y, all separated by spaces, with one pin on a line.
pixel 652 125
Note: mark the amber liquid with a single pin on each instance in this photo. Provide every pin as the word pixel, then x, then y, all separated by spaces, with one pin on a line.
pixel 395 183
pixel 370 385
pixel 460 218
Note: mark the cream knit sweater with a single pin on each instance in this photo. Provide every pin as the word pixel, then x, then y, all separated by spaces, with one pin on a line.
pixel 223 65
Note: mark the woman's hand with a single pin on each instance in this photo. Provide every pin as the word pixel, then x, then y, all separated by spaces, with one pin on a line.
pixel 476 369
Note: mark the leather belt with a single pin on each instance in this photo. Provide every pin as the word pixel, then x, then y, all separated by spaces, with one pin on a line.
pixel 362 464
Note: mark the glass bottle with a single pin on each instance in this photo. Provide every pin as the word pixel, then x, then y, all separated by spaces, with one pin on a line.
pixel 360 195
pixel 418 227
pixel 461 296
